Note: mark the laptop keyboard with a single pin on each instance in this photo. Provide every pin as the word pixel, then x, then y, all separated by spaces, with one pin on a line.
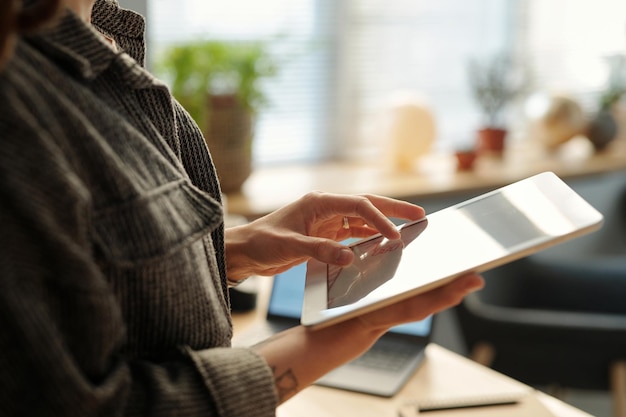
pixel 390 357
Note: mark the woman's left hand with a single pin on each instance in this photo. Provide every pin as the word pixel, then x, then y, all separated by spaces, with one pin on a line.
pixel 311 227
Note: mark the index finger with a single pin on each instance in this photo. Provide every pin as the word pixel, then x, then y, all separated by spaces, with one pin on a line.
pixel 376 211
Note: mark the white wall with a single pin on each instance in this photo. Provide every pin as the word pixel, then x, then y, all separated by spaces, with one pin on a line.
pixel 140 6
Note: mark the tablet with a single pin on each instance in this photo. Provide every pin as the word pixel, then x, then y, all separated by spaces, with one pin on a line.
pixel 481 233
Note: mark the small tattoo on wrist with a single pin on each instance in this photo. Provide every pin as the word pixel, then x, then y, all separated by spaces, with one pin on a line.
pixel 286 383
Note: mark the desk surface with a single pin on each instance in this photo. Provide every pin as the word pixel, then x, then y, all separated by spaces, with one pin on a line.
pixel 270 188
pixel 444 374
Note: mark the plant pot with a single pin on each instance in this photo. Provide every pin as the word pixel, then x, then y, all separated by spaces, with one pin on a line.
pixel 228 133
pixel 491 141
pixel 465 160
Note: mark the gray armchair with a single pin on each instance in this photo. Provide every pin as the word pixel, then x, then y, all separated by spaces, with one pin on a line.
pixel 558 318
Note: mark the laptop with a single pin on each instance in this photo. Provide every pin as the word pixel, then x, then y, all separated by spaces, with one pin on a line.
pixel 383 370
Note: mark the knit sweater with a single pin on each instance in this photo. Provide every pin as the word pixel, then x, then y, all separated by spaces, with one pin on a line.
pixel 113 297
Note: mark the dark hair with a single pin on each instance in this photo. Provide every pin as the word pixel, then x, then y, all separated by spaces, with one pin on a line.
pixel 16 19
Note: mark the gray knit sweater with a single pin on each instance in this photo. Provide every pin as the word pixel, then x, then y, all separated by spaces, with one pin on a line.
pixel 113 298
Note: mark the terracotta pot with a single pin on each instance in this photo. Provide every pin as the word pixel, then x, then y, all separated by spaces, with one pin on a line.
pixel 491 141
pixel 465 160
pixel 228 135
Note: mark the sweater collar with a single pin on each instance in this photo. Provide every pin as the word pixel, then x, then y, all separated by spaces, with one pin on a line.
pixel 81 49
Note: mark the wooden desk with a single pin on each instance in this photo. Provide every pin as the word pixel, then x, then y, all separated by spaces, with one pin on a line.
pixel 444 374
pixel 270 188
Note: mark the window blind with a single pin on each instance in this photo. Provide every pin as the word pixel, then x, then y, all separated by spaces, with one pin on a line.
pixel 351 56
pixel 290 127
pixel 420 47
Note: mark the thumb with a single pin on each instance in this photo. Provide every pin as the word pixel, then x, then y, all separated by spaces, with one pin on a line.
pixel 327 251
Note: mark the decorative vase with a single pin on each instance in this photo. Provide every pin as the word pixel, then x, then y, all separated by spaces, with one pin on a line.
pixel 410 130
pixel 561 119
pixel 228 133
pixel 491 141
pixel 602 130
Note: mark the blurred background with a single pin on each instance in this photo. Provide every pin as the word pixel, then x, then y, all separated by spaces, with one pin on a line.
pixel 340 64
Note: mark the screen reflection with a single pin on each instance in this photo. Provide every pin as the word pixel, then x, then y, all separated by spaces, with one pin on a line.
pixel 375 262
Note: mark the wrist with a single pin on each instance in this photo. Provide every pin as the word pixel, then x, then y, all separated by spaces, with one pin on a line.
pixel 235 241
pixel 369 329
pixel 354 336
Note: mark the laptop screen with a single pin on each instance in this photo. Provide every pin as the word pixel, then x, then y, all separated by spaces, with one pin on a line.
pixel 288 294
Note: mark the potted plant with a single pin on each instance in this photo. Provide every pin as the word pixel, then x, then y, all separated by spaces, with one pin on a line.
pixel 218 83
pixel 465 158
pixel 494 84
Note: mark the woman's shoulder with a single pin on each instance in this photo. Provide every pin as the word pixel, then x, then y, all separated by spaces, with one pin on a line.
pixel 23 101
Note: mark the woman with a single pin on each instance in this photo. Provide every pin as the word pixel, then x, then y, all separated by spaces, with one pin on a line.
pixel 114 264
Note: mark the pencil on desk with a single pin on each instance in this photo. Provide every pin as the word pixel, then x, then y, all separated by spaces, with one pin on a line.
pixel 443 404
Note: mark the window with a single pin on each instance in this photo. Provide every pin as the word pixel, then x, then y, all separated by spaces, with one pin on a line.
pixel 420 47
pixel 354 54
pixel 291 127
pixel 568 44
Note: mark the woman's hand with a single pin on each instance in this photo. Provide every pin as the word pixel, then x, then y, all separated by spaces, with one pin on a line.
pixel 299 356
pixel 311 227
pixel 421 306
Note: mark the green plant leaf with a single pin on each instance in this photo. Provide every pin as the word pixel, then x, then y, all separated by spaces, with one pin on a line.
pixel 197 68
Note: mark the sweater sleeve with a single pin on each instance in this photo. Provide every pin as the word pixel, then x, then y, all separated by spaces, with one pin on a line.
pixel 64 331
